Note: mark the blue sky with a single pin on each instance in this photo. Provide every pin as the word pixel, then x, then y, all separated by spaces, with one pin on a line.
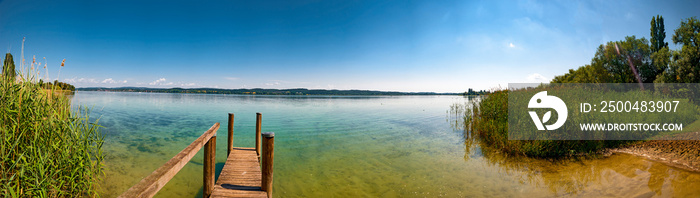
pixel 436 46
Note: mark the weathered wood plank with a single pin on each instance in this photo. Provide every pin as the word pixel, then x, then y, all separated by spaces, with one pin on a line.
pixel 150 185
pixel 241 176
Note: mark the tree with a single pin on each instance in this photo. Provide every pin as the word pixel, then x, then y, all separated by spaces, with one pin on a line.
pixel 566 78
pixel 686 62
pixel 660 55
pixel 658 34
pixel 617 65
pixel 584 74
pixel 682 66
pixel 471 92
pixel 8 68
pixel 661 61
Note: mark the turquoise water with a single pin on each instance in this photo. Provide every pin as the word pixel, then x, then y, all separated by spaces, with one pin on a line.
pixel 338 146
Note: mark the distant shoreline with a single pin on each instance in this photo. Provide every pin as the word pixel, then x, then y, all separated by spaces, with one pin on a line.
pixel 260 91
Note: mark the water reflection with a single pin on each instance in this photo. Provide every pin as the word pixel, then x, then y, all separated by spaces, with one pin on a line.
pixel 615 175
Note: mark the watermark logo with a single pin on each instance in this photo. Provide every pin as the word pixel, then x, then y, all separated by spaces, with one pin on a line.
pixel 542 100
pixel 606 111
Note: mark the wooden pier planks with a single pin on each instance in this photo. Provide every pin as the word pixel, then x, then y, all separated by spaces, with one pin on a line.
pixel 241 176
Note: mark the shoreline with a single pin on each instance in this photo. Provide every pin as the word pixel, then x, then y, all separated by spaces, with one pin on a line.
pixel 681 151
pixel 261 91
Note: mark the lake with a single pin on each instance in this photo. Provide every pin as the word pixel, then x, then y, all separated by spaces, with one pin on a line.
pixel 353 146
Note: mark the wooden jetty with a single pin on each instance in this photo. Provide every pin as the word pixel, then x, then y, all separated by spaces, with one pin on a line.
pixel 242 175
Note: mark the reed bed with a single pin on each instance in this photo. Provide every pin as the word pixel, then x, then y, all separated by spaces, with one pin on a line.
pixel 488 119
pixel 47 148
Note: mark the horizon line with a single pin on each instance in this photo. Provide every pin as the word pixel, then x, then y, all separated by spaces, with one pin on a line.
pixel 280 89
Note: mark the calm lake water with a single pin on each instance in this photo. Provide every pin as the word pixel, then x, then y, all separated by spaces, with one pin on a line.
pixel 349 146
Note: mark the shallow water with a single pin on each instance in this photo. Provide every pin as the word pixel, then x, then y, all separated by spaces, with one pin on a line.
pixel 353 147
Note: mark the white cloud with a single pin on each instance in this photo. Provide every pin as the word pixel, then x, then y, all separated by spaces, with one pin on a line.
pixel 187 84
pixel 163 82
pixel 109 80
pixel 84 80
pixel 511 45
pixel 272 83
pixel 158 82
pixel 70 80
pixel 76 80
pixel 281 83
pixel 537 78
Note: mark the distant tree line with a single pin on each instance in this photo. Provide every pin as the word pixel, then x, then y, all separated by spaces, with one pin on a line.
pixel 651 62
pixel 259 91
pixel 56 85
pixel 471 92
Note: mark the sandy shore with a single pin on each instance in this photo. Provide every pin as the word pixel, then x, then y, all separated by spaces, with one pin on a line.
pixel 681 150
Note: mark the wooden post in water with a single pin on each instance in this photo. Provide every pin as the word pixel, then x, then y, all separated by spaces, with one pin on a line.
pixel 258 122
pixel 230 135
pixel 209 159
pixel 268 156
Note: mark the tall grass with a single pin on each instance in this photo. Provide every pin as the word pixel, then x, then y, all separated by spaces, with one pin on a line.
pixel 46 150
pixel 489 122
pixel 488 119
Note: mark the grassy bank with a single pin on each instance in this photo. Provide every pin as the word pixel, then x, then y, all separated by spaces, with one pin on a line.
pixel 488 119
pixel 46 149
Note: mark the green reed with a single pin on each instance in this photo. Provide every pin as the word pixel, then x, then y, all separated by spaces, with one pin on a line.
pixel 47 149
pixel 489 123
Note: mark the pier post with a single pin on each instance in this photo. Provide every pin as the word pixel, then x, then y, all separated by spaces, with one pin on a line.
pixel 230 134
pixel 258 122
pixel 268 155
pixel 209 159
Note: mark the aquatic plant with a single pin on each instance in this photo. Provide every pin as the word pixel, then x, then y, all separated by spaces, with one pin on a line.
pixel 47 149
